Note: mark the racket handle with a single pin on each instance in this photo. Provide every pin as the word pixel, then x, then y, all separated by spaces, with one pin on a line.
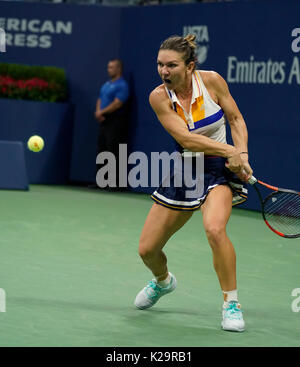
pixel 252 180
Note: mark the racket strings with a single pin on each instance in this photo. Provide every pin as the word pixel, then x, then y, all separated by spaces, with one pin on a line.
pixel 282 211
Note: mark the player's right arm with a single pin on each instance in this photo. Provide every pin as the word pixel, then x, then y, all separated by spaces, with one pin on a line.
pixel 177 128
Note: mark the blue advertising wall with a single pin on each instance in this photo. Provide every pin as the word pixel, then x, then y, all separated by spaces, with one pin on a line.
pixel 233 38
pixel 53 121
pixel 80 39
pixel 253 45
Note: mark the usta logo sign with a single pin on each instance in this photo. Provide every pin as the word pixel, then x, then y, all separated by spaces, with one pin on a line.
pixel 202 39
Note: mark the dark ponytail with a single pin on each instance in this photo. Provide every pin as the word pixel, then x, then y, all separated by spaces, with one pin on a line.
pixel 184 45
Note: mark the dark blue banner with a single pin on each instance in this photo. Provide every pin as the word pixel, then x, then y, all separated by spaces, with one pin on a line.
pixel 255 46
pixel 80 39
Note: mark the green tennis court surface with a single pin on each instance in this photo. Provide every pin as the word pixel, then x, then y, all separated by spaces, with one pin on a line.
pixel 70 270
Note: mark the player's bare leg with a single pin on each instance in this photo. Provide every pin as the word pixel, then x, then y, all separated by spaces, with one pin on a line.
pixel 216 211
pixel 160 225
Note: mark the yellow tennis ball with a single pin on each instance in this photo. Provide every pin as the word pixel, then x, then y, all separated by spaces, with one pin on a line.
pixel 35 143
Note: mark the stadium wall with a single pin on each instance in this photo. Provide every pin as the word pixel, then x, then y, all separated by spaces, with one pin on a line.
pixel 254 45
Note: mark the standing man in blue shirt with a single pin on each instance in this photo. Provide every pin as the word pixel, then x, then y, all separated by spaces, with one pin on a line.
pixel 111 112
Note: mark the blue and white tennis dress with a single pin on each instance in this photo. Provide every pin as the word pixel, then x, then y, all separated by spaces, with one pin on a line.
pixel 207 118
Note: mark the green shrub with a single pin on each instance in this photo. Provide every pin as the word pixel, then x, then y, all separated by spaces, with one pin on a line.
pixel 37 83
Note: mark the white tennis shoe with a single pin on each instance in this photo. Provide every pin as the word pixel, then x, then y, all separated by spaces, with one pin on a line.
pixel 150 294
pixel 232 317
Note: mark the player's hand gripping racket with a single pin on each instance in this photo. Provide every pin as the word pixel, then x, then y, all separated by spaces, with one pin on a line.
pixel 280 209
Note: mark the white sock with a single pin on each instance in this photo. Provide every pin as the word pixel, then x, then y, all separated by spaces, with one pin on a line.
pixel 230 296
pixel 165 282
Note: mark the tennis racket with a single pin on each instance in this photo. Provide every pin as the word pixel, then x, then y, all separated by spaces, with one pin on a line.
pixel 280 209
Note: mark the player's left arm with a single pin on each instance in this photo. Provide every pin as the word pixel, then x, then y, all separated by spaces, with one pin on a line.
pixel 234 117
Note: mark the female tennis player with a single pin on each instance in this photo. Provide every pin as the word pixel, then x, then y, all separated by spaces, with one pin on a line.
pixel 192 105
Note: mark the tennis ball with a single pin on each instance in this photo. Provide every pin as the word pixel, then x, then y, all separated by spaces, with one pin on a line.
pixel 35 143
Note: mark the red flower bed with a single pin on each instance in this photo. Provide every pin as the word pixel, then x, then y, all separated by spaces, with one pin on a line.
pixel 37 83
pixel 34 88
